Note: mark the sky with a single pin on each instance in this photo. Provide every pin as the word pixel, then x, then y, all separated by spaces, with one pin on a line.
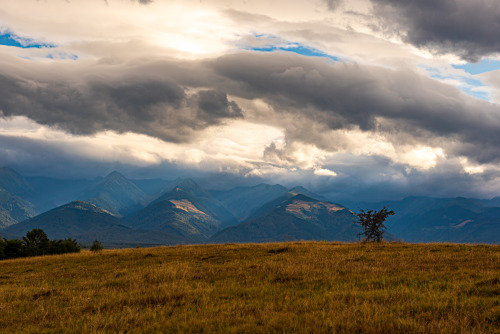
pixel 355 100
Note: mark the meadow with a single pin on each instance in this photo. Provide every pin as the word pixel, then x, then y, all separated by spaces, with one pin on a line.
pixel 306 287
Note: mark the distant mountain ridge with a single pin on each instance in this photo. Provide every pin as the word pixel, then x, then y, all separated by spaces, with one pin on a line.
pixel 295 218
pixel 424 219
pixel 189 190
pixel 187 210
pixel 86 222
pixel 243 201
pixel 182 211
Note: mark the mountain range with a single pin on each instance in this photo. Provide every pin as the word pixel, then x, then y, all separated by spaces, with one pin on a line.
pixel 121 212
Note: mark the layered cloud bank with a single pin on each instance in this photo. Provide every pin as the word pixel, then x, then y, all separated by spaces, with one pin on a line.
pixel 354 99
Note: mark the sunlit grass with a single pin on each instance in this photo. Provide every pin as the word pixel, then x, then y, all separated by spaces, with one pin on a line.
pixel 287 287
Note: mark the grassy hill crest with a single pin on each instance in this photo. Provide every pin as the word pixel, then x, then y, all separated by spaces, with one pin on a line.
pixel 294 287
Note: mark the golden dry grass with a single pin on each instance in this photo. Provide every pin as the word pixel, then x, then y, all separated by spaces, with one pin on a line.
pixel 305 287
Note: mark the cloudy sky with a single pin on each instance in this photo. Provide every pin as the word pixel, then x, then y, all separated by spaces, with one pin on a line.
pixel 354 99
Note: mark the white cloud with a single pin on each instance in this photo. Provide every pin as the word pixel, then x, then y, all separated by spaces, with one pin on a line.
pixel 324 172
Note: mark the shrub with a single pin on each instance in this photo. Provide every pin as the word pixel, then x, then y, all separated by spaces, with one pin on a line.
pixel 96 246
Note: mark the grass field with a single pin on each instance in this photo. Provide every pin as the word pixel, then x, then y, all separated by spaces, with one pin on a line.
pixel 304 287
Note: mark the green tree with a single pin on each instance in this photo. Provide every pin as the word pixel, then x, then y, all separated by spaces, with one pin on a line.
pixel 373 224
pixel 96 246
pixel 64 246
pixel 14 248
pixel 2 248
pixel 36 242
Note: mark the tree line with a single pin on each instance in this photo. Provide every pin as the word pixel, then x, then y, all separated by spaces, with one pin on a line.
pixel 36 243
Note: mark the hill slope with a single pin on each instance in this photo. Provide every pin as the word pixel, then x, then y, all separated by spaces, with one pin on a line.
pixel 86 222
pixel 188 190
pixel 187 210
pixel 115 194
pixel 296 218
pixel 13 209
pixel 15 183
pixel 179 217
pixel 243 201
pixel 299 287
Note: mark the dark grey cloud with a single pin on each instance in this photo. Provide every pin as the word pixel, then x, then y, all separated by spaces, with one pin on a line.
pixel 145 2
pixel 466 28
pixel 128 99
pixel 401 103
pixel 215 103
pixel 175 100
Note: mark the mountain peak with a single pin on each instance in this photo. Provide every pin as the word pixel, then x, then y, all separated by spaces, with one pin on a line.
pixel 116 194
pixel 81 205
pixel 299 190
pixel 188 184
pixel 114 175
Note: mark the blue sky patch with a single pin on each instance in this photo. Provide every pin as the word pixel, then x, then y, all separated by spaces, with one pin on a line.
pixel 485 65
pixel 469 86
pixel 299 49
pixel 9 39
pixel 275 43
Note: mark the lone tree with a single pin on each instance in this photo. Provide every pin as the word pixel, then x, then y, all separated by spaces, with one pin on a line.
pixel 373 223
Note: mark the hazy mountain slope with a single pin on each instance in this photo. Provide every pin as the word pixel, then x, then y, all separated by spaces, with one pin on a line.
pixel 115 194
pixel 15 183
pixel 86 222
pixel 153 188
pixel 271 205
pixel 6 219
pixel 187 210
pixel 50 193
pixel 299 190
pixel 243 201
pixel 296 218
pixel 424 219
pixel 190 191
pixel 495 201
pixel 180 217
pixel 13 209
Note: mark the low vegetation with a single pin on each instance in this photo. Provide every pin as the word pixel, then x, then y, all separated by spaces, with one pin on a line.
pixel 96 246
pixel 36 243
pixel 306 287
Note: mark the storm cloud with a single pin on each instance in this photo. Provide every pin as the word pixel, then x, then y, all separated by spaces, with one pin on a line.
pixel 175 100
pixel 401 103
pixel 466 28
pixel 125 100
